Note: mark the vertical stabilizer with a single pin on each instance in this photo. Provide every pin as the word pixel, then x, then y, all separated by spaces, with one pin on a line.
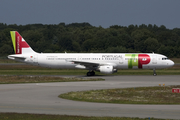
pixel 19 44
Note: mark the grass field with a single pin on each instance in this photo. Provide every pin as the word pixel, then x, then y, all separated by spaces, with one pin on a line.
pixel 140 95
pixel 41 79
pixel 6 60
pixel 16 116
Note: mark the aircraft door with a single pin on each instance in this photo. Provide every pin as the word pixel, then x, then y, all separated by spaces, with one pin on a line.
pixel 154 59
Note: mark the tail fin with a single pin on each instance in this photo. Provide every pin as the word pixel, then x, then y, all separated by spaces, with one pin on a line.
pixel 20 45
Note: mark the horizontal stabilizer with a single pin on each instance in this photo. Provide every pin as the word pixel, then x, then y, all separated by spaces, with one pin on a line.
pixel 13 57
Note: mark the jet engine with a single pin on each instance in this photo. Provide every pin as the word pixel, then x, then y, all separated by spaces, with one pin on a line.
pixel 107 69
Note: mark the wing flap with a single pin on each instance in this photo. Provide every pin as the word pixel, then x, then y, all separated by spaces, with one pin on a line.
pixel 86 63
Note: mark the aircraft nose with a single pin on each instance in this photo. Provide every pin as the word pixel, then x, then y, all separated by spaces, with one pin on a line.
pixel 171 63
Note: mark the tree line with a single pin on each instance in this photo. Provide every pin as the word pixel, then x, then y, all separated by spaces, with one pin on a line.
pixel 85 38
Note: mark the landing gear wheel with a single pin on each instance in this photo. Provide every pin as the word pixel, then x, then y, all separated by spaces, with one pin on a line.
pixel 92 73
pixel 88 73
pixel 154 74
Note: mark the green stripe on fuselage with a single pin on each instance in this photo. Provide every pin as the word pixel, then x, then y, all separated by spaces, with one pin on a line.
pixel 132 60
pixel 13 40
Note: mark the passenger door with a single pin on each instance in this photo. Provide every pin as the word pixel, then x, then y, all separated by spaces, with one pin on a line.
pixel 154 59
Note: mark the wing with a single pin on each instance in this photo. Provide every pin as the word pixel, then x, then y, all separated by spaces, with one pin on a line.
pixel 87 65
pixel 90 64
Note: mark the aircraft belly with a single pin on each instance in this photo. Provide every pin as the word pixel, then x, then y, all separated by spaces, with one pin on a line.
pixel 69 65
pixel 122 67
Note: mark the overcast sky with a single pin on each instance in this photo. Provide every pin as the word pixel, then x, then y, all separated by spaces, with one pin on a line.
pixel 96 12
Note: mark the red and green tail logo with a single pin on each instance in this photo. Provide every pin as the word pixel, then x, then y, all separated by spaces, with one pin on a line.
pixel 18 42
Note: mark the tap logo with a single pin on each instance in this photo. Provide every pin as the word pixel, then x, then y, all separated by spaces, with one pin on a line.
pixel 137 60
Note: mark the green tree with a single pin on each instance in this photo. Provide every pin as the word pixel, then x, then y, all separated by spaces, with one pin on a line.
pixel 167 50
pixel 76 47
pixel 151 45
pixel 118 49
pixel 6 49
pixel 139 36
pixel 88 45
pixel 82 37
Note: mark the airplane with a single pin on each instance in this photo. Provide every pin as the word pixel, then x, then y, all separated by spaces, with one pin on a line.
pixel 106 63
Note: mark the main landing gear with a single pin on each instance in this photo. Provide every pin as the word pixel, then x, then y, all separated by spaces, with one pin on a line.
pixel 154 72
pixel 90 73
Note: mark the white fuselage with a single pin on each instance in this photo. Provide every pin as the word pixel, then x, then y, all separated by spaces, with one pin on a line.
pixel 79 60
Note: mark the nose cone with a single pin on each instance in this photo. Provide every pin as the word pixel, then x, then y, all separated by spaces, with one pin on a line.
pixel 170 63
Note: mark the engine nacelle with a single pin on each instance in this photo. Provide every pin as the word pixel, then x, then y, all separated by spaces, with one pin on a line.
pixel 107 69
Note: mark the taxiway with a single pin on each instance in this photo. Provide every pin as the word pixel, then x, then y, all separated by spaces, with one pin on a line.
pixel 42 98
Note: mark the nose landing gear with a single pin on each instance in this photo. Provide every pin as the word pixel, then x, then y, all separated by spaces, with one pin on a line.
pixel 154 72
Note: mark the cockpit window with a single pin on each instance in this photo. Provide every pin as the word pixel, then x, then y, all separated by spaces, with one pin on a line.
pixel 164 58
